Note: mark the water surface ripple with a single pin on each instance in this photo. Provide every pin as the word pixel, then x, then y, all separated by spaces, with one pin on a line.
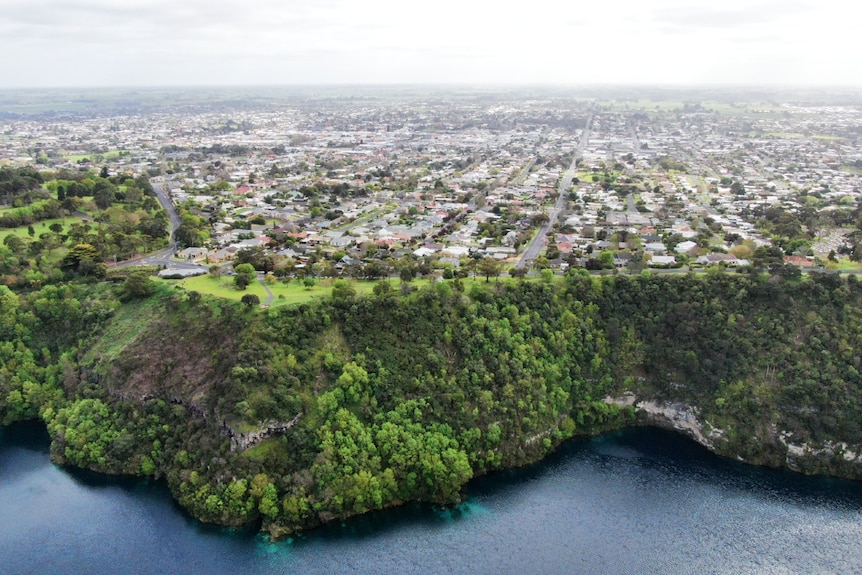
pixel 640 501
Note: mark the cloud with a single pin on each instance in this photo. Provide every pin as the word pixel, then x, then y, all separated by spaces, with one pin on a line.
pixel 690 18
pixel 140 42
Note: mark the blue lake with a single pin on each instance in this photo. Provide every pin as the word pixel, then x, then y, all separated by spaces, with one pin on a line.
pixel 640 501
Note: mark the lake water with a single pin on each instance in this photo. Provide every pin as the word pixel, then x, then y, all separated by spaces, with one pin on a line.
pixel 640 501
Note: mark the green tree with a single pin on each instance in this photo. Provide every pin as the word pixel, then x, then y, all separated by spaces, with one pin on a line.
pixel 542 263
pixel 80 253
pixel 607 260
pixel 103 194
pixel 382 288
pixel 767 256
pixel 257 257
pixel 250 300
pixel 138 285
pixel 375 269
pixel 342 290
pixel 489 267
pixel 245 274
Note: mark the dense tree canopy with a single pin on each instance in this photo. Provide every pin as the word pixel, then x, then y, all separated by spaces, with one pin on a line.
pixel 310 413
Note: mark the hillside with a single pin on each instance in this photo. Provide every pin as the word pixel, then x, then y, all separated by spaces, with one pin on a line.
pixel 300 415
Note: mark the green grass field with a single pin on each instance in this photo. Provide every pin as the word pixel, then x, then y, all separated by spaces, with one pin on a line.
pixel 219 287
pixel 847 265
pixel 110 155
pixel 28 209
pixel 647 105
pixel 784 135
pixel 760 109
pixel 294 292
pixel 40 227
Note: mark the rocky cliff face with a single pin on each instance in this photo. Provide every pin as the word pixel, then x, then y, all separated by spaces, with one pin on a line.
pixel 777 450
pixel 240 441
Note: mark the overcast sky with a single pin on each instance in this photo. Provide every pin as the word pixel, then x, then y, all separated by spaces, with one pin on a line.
pixel 276 42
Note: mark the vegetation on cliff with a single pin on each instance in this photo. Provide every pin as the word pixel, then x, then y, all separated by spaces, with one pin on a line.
pixel 299 415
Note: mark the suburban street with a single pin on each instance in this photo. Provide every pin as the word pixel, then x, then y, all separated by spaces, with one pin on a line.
pixel 532 251
pixel 163 258
pixel 168 205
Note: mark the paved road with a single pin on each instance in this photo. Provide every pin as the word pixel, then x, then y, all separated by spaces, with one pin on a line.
pixel 636 142
pixel 269 295
pixel 532 251
pixel 522 175
pixel 168 205
pixel 164 257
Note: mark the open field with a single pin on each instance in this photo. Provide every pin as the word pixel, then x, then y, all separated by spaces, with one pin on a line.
pixel 219 287
pixel 40 227
pixel 782 135
pixel 22 209
pixel 294 292
pixel 109 155
pixel 646 105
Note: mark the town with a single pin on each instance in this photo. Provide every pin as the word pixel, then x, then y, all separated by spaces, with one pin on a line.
pixel 405 183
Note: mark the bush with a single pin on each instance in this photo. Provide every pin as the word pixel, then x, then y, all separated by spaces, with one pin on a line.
pixel 138 285
pixel 250 300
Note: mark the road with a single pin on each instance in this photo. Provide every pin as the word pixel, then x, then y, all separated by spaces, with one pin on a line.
pixel 168 205
pixel 522 175
pixel 163 258
pixel 269 295
pixel 636 142
pixel 532 251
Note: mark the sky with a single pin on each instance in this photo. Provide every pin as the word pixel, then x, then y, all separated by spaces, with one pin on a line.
pixel 118 43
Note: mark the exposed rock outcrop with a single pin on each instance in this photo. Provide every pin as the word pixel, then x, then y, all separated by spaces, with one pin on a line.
pixel 828 458
pixel 240 441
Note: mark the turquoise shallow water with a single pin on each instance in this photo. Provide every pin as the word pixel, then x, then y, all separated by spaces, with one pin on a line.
pixel 641 501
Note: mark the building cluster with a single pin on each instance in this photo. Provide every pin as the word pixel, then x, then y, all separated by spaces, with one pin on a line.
pixel 450 179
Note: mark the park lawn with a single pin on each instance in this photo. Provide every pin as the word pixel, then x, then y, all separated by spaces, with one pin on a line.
pixel 40 227
pixel 846 264
pixel 110 155
pixel 649 105
pixel 287 294
pixel 295 292
pixel 220 287
pixel 784 135
pixel 28 209
pixel 758 110
pixel 585 176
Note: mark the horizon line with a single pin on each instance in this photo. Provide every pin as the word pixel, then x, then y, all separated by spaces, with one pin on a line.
pixel 453 84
